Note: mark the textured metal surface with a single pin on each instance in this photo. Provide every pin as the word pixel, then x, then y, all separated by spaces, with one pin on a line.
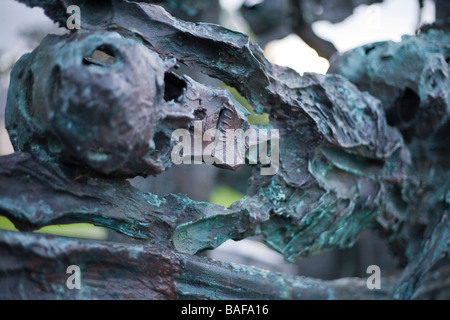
pixel 83 120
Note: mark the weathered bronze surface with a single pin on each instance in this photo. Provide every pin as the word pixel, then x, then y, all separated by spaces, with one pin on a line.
pixel 365 146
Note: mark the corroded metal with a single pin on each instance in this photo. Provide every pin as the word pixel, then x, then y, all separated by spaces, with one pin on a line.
pixel 109 102
pixel 87 109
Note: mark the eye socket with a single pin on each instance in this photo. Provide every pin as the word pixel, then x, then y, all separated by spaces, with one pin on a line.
pixel 29 83
pixel 103 56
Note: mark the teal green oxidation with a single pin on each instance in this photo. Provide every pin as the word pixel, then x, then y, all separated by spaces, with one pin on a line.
pixel 352 154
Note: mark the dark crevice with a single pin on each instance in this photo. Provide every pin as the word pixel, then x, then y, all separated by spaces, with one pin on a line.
pixel 56 82
pixel 368 49
pixel 408 105
pixel 174 86
pixel 29 83
pixel 220 118
pixel 404 110
pixel 162 142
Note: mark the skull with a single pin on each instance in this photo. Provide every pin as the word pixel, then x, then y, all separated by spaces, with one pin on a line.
pixel 108 102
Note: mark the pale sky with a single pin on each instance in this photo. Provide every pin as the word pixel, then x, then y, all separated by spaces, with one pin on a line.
pixel 14 17
pixel 388 20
